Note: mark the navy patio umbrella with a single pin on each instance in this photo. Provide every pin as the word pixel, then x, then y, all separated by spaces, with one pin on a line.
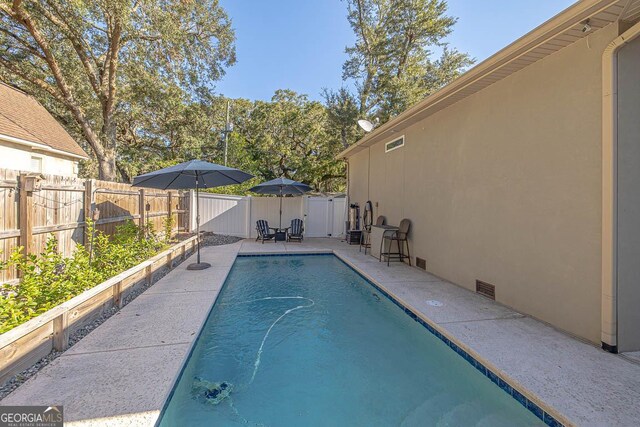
pixel 192 174
pixel 281 187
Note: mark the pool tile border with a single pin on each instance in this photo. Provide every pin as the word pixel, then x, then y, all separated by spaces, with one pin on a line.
pixel 281 254
pixel 540 413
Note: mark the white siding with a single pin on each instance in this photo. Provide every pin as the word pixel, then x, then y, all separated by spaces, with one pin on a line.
pixel 18 158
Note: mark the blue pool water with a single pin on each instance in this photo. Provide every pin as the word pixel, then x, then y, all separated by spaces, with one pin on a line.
pixel 306 341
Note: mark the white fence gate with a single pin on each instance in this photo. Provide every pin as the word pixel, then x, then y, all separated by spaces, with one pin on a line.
pixel 237 215
pixel 325 216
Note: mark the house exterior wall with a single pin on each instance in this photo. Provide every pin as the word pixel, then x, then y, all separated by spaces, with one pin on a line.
pixel 14 156
pixel 628 197
pixel 505 187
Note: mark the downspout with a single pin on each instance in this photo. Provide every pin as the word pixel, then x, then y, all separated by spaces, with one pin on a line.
pixel 346 167
pixel 609 329
pixel 348 197
pixel 369 173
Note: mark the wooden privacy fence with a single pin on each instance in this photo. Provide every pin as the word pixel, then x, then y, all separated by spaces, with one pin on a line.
pixel 35 206
pixel 27 343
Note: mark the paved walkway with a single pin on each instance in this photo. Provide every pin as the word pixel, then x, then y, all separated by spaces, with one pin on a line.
pixel 122 372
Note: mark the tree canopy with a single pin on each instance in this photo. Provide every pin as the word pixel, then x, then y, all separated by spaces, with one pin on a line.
pixel 133 81
pixel 86 59
pixel 392 61
pixel 288 136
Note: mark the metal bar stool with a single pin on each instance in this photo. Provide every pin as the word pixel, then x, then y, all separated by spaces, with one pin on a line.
pixel 399 236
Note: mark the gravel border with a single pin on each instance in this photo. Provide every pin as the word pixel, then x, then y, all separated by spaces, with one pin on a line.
pixel 209 239
pixel 212 239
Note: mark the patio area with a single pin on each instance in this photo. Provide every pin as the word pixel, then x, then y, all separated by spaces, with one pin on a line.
pixel 123 371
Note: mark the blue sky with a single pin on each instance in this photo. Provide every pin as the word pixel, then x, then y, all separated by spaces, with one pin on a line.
pixel 299 44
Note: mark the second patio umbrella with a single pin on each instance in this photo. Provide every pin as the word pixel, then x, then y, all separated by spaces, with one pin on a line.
pixel 192 174
pixel 281 187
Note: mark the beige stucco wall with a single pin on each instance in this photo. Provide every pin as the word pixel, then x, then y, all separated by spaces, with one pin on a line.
pixel 505 187
pixel 13 156
pixel 628 197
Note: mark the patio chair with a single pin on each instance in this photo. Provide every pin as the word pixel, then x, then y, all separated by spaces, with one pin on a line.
pixel 263 229
pixel 365 238
pixel 295 231
pixel 400 237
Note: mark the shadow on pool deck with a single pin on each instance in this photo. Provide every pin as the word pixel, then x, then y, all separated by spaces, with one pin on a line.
pixel 122 372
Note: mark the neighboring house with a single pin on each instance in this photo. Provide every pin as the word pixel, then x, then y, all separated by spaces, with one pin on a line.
pixel 31 139
pixel 525 173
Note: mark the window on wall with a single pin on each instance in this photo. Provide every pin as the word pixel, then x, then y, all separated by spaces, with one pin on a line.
pixel 392 145
pixel 36 164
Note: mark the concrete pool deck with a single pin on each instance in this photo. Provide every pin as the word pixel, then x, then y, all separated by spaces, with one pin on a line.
pixel 122 372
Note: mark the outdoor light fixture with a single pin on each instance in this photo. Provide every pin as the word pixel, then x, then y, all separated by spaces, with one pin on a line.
pixel 366 125
pixel 587 27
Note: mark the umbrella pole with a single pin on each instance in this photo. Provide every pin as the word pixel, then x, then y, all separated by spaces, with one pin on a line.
pixel 198 265
pixel 280 228
pixel 198 218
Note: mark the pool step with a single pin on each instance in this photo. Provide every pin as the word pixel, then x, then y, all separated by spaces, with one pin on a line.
pixel 466 413
pixel 428 412
pixel 494 420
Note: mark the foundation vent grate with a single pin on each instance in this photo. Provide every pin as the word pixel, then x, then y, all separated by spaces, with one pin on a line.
pixel 421 263
pixel 486 289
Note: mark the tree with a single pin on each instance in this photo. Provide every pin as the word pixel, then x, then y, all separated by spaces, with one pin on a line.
pixel 82 58
pixel 289 137
pixel 342 111
pixel 164 126
pixel 391 60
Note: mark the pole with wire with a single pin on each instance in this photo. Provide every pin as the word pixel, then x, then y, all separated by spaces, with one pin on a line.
pixel 227 130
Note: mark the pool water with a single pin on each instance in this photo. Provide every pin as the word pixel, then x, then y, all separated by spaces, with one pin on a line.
pixel 306 341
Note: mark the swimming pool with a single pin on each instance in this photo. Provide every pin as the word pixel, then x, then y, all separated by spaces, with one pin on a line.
pixel 305 340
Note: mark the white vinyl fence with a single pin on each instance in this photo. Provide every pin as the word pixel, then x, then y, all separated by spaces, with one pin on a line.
pixel 237 215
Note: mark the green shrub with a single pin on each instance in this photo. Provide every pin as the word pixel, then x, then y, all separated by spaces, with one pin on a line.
pixel 167 224
pixel 49 279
